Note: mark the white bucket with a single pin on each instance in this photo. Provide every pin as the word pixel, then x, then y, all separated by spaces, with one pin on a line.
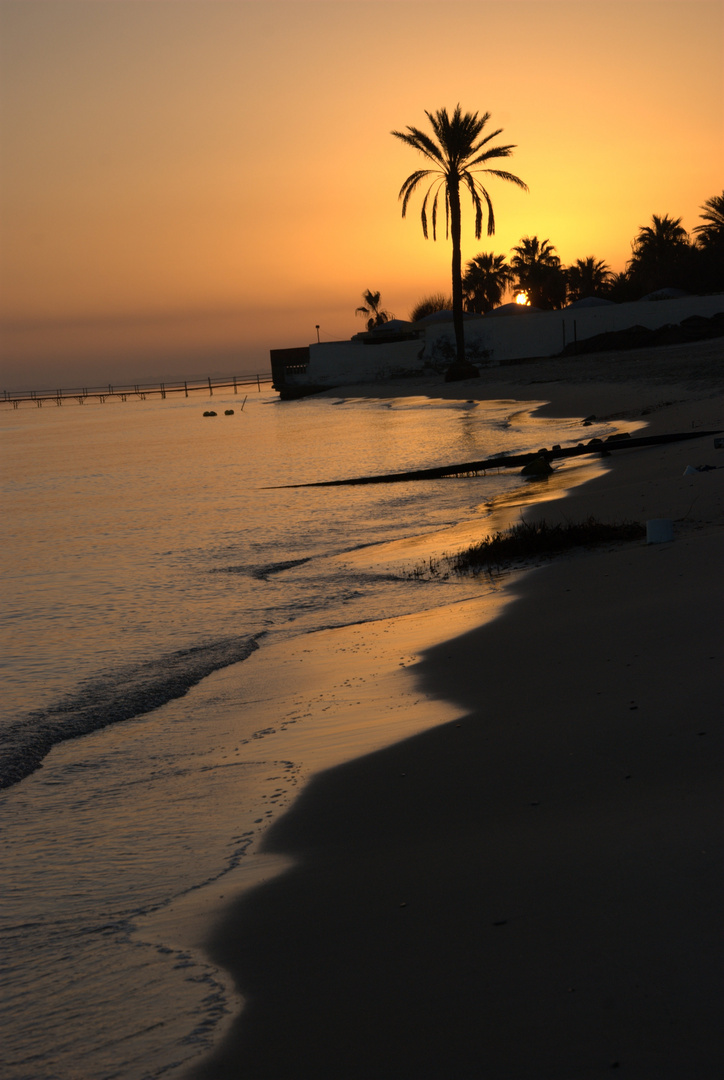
pixel 659 531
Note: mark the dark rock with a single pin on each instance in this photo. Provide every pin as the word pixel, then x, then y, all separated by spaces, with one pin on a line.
pixel 537 467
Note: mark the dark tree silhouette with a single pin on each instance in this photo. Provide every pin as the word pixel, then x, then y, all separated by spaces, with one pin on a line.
pixel 710 245
pixel 538 272
pixel 711 233
pixel 487 276
pixel 429 305
pixel 372 311
pixel 458 151
pixel 587 277
pixel 660 255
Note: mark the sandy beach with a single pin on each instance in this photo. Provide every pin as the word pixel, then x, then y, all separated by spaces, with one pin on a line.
pixel 526 884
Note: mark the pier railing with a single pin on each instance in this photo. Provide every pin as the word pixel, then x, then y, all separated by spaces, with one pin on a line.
pixel 140 391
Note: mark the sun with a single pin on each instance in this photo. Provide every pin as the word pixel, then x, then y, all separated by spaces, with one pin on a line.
pixel 522 298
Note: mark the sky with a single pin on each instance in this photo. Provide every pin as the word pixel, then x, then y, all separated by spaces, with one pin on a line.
pixel 187 184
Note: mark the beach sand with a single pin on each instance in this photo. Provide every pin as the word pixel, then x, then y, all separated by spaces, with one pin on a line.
pixel 531 888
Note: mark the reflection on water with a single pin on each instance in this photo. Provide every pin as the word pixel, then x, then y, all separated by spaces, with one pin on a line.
pixel 142 531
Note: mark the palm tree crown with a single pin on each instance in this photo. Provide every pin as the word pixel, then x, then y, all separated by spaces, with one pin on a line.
pixel 711 233
pixel 538 272
pixel 372 311
pixel 487 276
pixel 663 235
pixel 659 254
pixel 587 277
pixel 458 152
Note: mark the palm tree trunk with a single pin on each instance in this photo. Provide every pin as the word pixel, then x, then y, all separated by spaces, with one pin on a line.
pixel 460 368
pixel 457 274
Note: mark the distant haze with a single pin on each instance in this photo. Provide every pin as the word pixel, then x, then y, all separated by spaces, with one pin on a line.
pixel 186 185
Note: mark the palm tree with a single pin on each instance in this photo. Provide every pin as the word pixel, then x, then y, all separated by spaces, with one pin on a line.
pixel 487 276
pixel 372 311
pixel 538 272
pixel 455 151
pixel 659 254
pixel 587 277
pixel 712 231
pixel 710 245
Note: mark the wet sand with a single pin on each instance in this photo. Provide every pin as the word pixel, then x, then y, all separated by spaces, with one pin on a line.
pixel 532 887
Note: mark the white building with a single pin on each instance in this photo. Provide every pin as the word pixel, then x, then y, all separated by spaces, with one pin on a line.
pixel 504 335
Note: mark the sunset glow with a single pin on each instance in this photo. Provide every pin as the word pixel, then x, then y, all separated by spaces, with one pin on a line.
pixel 188 185
pixel 522 298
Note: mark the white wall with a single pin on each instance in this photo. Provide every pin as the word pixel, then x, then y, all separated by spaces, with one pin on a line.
pixel 339 363
pixel 513 337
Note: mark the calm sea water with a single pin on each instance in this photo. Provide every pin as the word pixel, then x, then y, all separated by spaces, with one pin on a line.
pixel 144 548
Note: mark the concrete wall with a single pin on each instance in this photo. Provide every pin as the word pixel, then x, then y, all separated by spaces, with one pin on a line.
pixel 339 363
pixel 501 338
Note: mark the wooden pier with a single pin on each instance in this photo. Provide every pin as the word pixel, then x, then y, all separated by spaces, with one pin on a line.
pixel 139 391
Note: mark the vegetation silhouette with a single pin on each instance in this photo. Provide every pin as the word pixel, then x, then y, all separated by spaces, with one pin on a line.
pixel 709 244
pixel 711 233
pixel 538 272
pixel 663 257
pixel 587 277
pixel 428 305
pixel 487 276
pixel 459 153
pixel 660 255
pixel 372 311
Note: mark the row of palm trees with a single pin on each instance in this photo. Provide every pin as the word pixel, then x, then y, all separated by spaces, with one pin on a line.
pixel 663 256
pixel 459 152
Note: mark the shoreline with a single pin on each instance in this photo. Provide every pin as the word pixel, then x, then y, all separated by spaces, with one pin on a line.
pixel 526 888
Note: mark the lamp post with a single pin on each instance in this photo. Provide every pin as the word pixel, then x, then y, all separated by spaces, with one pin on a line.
pixel 317 329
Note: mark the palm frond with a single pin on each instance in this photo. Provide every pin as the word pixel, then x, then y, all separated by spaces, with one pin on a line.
pixel 511 177
pixel 419 140
pixel 410 186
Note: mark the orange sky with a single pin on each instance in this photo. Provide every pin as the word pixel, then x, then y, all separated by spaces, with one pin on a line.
pixel 187 183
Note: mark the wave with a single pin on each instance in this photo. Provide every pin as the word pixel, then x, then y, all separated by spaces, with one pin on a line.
pixel 262 571
pixel 122 695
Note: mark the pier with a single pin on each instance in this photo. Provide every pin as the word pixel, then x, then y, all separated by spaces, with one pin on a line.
pixel 139 391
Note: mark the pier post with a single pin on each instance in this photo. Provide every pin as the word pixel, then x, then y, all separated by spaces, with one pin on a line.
pixel 235 390
pixel 211 389
pixel 186 389
pixel 163 391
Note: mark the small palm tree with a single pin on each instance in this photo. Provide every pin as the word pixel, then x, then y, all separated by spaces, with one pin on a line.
pixel 487 276
pixel 587 277
pixel 372 311
pixel 458 152
pixel 538 272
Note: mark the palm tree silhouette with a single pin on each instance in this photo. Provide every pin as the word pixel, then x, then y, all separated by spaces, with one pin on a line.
pixel 372 311
pixel 711 233
pixel 455 151
pixel 587 277
pixel 487 276
pixel 658 254
pixel 710 245
pixel 538 272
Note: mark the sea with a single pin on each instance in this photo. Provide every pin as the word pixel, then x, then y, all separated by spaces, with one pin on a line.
pixel 146 549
